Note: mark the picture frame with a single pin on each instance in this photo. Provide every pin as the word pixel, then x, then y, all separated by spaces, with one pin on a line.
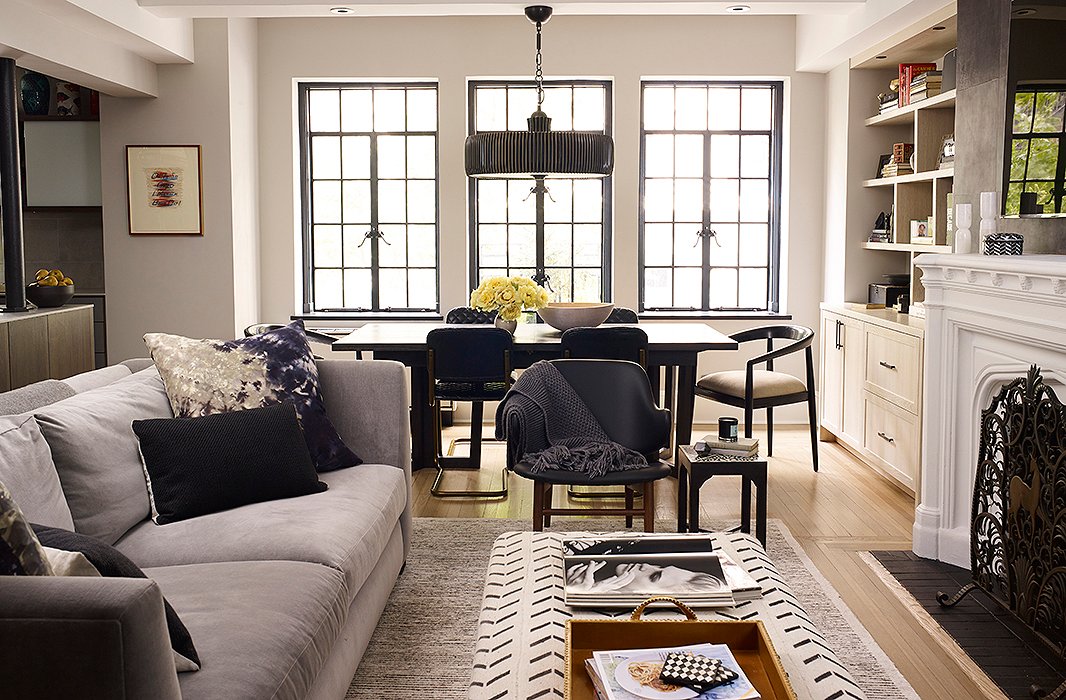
pixel 164 192
pixel 882 161
pixel 946 157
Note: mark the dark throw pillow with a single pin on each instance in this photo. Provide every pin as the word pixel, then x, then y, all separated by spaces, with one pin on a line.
pixel 203 377
pixel 197 466
pixel 111 562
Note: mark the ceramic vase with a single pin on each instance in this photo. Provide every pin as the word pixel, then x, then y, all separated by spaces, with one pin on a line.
pixel 963 219
pixel 988 217
pixel 509 326
pixel 36 93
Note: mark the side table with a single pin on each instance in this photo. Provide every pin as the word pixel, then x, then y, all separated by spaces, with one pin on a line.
pixel 693 471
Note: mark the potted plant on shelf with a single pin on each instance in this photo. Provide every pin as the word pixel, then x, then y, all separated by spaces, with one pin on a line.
pixel 508 296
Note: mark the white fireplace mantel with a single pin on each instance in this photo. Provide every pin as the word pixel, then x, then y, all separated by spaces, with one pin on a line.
pixel 988 318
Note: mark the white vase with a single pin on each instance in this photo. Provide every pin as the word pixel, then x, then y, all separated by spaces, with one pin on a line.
pixel 963 220
pixel 988 218
pixel 509 326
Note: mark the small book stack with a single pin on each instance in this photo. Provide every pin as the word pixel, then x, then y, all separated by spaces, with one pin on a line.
pixel 908 72
pixel 901 161
pixel 926 85
pixel 888 101
pixel 706 671
pixel 741 447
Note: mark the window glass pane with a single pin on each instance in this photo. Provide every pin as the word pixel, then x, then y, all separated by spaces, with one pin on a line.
pixel 686 251
pixel 1019 158
pixel 392 156
pixel 327 242
pixel 521 102
pixel 658 108
pixel 688 200
pixel 723 109
pixel 561 284
pixel 323 110
pixel 589 109
pixel 753 288
pixel 559 105
pixel 393 290
pixel 1049 111
pixel 588 200
pixel 326 202
pixel 587 285
pixel 521 204
pixel 357 202
pixel 491 109
pixel 757 108
pixel 1023 112
pixel 687 288
pixel 492 201
pixel 522 245
pixel 422 246
pixel 755 156
pixel 355 157
pixel 488 272
pixel 392 246
pixel 691 109
pixel 422 288
pixel 659 200
pixel 724 245
pixel 558 206
pixel 422 157
pixel 723 287
pixel 725 155
pixel 358 286
pixel 658 282
pixel 1043 159
pixel 657 239
pixel 329 289
pixel 558 239
pixel 325 157
pixel 492 245
pixel 659 155
pixel 392 201
pixel 754 239
pixel 754 200
pixel 421 201
pixel 587 242
pixel 356 246
pixel 724 200
pixel 422 110
pixel 357 110
pixel 1014 197
pixel 688 159
pixel 389 109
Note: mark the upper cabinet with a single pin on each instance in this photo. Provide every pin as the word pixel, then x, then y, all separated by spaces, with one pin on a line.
pixel 62 163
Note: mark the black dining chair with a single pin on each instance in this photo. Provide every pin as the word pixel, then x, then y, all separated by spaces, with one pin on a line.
pixel 467 364
pixel 313 336
pixel 621 314
pixel 470 315
pixel 753 389
pixel 606 343
pixel 619 395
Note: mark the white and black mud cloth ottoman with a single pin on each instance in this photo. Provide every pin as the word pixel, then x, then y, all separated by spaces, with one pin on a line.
pixel 521 636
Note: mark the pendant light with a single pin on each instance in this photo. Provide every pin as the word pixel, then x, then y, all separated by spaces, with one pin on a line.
pixel 539 152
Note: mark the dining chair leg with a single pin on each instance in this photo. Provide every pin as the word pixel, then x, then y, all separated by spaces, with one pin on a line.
pixel 548 498
pixel 812 408
pixel 538 507
pixel 770 431
pixel 476 416
pixel 748 411
pixel 649 507
pixel 629 505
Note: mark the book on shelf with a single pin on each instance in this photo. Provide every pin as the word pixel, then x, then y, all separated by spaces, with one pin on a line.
pixel 896 169
pixel 901 153
pixel 635 674
pixel 932 77
pixel 949 214
pixel 742 445
pixel 924 93
pixel 907 73
pixel 880 236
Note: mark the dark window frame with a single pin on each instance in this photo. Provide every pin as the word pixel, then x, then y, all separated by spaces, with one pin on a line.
pixel 776 134
pixel 304 89
pixel 607 233
pixel 1058 184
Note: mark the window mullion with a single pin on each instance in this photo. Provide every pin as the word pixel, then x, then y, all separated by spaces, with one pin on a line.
pixel 375 276
pixel 705 277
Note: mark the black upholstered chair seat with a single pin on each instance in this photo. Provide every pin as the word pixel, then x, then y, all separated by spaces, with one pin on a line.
pixel 471 391
pixel 658 470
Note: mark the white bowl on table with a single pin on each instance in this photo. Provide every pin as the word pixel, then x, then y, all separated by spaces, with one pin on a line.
pixel 566 315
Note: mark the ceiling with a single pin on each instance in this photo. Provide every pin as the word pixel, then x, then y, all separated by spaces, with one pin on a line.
pixel 418 8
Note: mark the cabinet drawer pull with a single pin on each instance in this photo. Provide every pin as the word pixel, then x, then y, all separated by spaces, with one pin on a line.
pixel 886 365
pixel 885 437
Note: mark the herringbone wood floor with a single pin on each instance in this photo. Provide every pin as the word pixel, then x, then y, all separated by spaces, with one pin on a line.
pixel 842 510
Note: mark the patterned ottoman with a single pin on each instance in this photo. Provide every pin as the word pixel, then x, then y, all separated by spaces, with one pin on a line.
pixel 521 642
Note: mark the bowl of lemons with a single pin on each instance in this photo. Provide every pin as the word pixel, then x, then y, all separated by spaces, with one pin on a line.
pixel 51 289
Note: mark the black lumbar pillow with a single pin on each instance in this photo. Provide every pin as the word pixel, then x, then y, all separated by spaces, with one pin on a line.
pixel 197 466
pixel 111 562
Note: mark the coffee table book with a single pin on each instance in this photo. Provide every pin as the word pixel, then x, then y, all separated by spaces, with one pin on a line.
pixel 747 640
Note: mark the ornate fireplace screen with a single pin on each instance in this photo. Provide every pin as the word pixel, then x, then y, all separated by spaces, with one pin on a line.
pixel 1018 533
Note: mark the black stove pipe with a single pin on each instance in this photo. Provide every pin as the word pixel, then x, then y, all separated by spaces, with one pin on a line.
pixel 11 190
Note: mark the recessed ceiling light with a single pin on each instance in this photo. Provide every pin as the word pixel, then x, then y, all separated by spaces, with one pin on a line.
pixel 939 29
pixel 341 11
pixel 881 57
pixel 738 8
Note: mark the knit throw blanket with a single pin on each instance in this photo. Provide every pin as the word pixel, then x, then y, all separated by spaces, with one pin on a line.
pixel 548 425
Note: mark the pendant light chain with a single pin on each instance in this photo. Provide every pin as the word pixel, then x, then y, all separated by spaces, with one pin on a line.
pixel 540 72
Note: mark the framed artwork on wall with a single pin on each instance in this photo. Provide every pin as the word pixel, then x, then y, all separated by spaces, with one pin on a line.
pixel 163 190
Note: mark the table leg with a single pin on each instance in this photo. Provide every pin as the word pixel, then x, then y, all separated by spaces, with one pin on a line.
pixel 745 504
pixel 422 424
pixel 682 498
pixel 694 484
pixel 760 507
pixel 686 401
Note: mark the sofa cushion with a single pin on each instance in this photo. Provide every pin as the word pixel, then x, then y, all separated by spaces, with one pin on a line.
pixel 263 629
pixel 346 528
pixel 95 452
pixel 30 398
pixel 26 469
pixel 197 466
pixel 87 381
pixel 216 376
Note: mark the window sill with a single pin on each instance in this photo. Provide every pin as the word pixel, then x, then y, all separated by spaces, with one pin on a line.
pixel 714 315
pixel 374 316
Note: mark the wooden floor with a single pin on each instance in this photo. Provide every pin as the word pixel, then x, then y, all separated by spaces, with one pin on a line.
pixel 842 510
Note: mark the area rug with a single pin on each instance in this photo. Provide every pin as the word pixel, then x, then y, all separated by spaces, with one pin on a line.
pixel 424 642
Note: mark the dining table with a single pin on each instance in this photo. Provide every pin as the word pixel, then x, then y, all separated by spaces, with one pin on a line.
pixel 672 345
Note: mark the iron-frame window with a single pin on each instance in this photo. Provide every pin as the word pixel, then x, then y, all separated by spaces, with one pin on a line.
pixel 577 246
pixel 1038 148
pixel 370 201
pixel 710 194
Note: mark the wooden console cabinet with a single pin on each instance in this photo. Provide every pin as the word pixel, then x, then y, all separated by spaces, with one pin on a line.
pixel 871 387
pixel 45 344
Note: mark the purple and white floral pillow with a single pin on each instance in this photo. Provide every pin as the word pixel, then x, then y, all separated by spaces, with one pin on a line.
pixel 216 376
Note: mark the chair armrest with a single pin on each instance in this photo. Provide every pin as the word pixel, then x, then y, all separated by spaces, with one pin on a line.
pixel 368 402
pixel 84 637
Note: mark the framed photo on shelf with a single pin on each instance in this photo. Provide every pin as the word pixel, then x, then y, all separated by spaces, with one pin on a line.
pixel 881 163
pixel 163 191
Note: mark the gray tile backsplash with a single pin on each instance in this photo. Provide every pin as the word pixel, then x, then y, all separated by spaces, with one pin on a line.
pixel 70 240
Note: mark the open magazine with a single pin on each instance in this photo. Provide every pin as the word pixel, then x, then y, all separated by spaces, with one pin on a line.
pixel 624 571
pixel 635 675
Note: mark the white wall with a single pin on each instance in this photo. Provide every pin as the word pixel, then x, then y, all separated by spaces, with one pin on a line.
pixel 625 49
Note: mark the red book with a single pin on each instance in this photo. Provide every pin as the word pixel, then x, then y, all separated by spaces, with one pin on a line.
pixel 907 73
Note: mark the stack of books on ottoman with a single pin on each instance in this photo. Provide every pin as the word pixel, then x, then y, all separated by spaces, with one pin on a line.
pixel 704 671
pixel 619 571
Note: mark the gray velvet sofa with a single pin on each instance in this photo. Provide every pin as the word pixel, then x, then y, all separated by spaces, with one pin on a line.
pixel 281 598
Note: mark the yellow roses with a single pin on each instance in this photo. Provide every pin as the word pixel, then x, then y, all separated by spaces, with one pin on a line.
pixel 509 295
